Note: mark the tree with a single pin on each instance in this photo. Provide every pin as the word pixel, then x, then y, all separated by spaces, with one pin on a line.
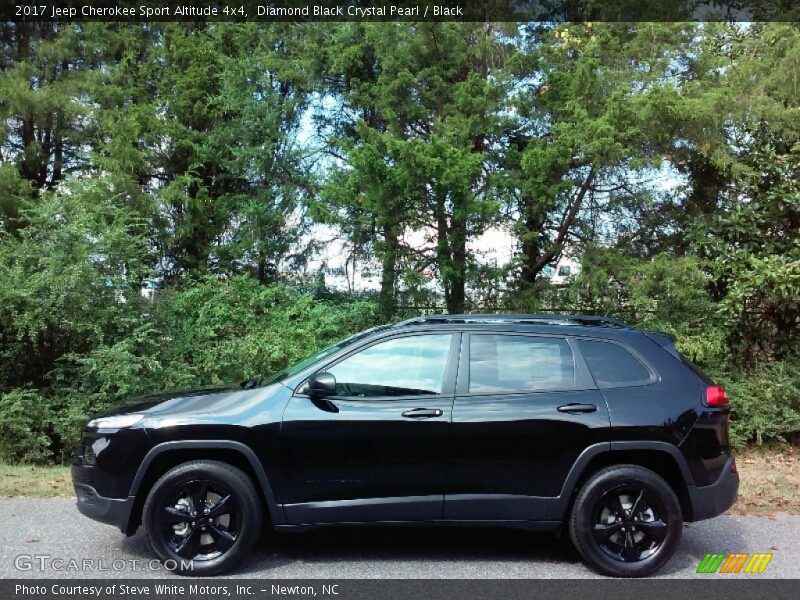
pixel 69 279
pixel 41 65
pixel 594 111
pixel 366 193
pixel 743 210
pixel 43 70
pixel 423 106
pixel 203 119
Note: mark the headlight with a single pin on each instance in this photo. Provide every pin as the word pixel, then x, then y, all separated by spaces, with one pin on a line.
pixel 115 422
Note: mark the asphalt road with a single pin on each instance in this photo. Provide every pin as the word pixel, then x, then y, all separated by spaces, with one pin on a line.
pixel 34 528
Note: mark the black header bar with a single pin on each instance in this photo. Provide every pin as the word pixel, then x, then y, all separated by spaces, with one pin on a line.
pixel 399 10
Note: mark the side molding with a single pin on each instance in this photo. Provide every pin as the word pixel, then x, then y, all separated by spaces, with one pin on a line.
pixel 275 511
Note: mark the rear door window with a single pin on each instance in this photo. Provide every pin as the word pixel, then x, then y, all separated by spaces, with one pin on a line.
pixel 612 365
pixel 514 363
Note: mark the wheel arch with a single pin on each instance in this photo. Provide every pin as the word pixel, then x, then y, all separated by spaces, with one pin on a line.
pixel 164 456
pixel 663 458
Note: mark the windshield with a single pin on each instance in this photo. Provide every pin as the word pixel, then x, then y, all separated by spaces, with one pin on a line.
pixel 310 360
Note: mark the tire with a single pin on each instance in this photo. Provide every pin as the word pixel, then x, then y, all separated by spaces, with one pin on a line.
pixel 626 521
pixel 227 522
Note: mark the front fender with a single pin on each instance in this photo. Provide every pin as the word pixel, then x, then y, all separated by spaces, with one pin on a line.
pixel 275 510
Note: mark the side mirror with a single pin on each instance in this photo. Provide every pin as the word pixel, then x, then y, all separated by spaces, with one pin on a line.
pixel 321 384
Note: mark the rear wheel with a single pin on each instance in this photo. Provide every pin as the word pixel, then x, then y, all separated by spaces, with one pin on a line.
pixel 626 521
pixel 202 517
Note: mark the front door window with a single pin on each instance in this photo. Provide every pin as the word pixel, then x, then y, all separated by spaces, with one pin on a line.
pixel 407 366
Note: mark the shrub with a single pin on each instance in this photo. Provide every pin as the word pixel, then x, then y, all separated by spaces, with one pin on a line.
pixel 204 332
pixel 224 331
pixel 85 384
pixel 25 420
pixel 765 403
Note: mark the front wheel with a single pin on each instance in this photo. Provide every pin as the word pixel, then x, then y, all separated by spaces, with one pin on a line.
pixel 626 521
pixel 202 517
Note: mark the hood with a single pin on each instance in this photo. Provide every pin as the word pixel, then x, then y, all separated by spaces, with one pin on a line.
pixel 219 404
pixel 146 404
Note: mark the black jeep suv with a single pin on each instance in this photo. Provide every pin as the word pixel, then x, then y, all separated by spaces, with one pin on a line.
pixel 539 422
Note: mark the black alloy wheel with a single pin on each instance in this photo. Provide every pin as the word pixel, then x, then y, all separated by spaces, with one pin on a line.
pixel 202 517
pixel 629 527
pixel 626 521
pixel 202 521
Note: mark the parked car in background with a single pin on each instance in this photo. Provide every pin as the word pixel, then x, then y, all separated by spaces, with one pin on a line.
pixel 564 272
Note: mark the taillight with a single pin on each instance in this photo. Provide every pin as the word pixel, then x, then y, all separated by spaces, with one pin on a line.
pixel 715 396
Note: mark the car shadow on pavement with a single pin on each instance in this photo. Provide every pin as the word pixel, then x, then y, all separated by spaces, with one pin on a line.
pixel 329 546
pixel 408 544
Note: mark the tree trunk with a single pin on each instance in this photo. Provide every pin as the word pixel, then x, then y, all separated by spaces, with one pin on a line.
pixel 391 255
pixel 538 257
pixel 531 247
pixel 458 271
pixel 442 246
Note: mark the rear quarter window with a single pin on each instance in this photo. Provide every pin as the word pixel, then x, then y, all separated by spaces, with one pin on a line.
pixel 613 365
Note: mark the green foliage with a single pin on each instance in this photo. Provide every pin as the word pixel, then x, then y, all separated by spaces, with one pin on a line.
pixel 44 115
pixel 69 279
pixel 222 331
pixel 83 384
pixel 205 333
pixel 25 420
pixel 754 247
pixel 765 402
pixel 15 193
pixel 661 289
pixel 423 106
pixel 587 122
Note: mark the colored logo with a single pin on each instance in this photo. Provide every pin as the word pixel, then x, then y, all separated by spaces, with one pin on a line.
pixel 734 562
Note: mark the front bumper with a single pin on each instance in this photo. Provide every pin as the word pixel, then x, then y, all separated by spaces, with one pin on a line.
pixel 112 511
pixel 712 500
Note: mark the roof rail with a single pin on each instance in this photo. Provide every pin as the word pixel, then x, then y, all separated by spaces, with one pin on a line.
pixel 538 319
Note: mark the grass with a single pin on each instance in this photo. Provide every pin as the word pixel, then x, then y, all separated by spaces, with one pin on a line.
pixel 770 480
pixel 35 481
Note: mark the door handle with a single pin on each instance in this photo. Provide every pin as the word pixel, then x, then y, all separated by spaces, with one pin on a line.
pixel 577 408
pixel 422 413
